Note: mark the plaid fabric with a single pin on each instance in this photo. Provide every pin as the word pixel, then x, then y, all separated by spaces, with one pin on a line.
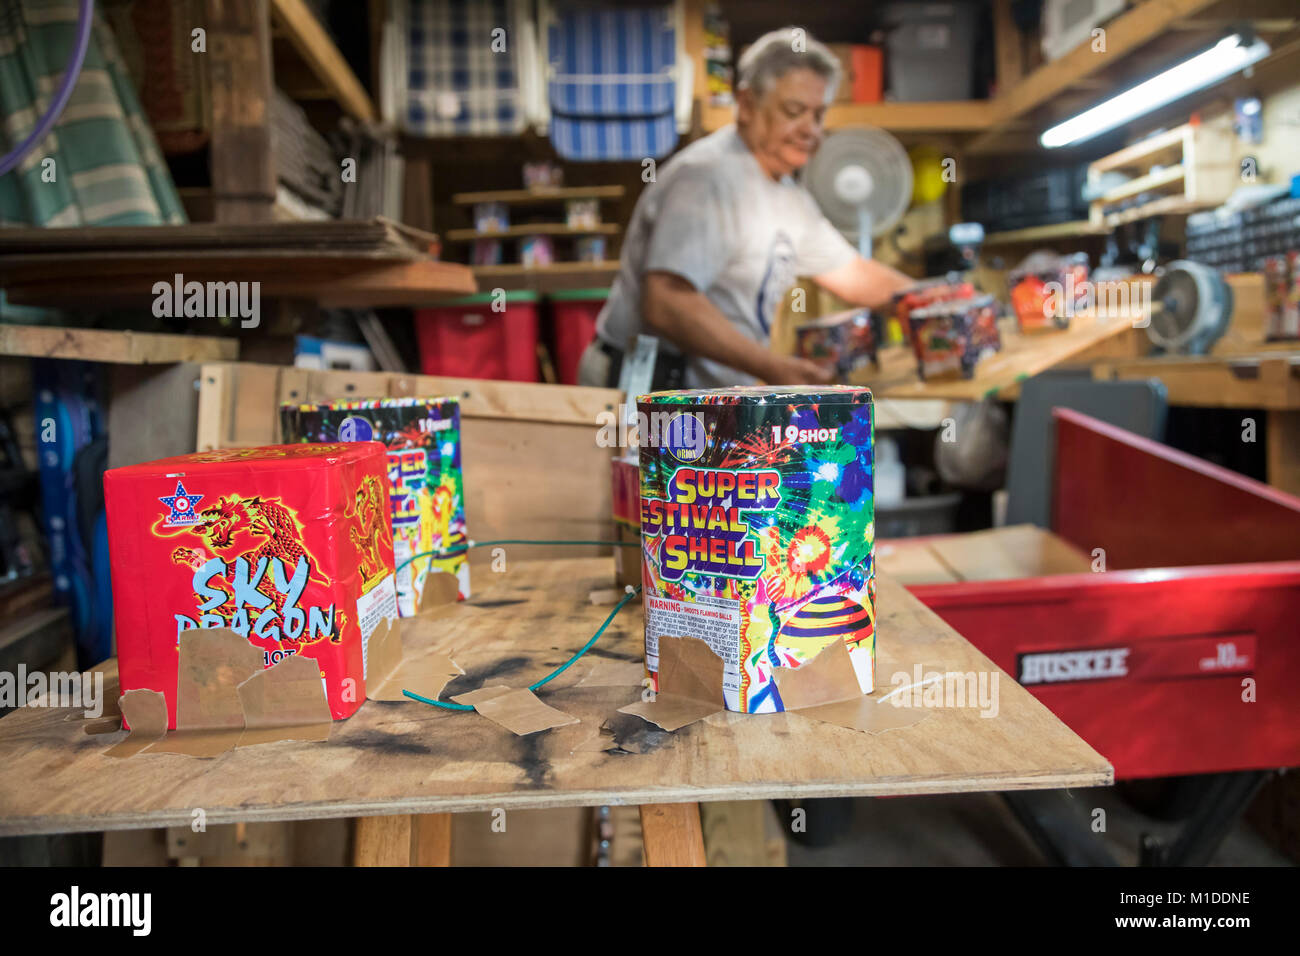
pixel 107 167
pixel 455 84
pixel 612 88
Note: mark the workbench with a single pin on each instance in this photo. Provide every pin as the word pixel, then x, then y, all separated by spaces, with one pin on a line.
pixel 402 767
pixel 1266 377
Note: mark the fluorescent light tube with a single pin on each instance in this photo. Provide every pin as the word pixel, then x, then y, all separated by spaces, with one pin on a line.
pixel 1222 60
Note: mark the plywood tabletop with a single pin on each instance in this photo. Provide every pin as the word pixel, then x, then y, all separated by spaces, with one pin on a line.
pixel 401 758
pixel 1021 356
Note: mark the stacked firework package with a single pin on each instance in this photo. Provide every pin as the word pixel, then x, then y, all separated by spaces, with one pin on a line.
pixel 288 546
pixel 424 485
pixel 950 338
pixel 841 343
pixel 757 529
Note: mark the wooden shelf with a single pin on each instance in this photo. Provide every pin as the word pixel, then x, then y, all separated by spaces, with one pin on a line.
pixel 121 348
pixel 294 20
pixel 1061 230
pixel 965 116
pixel 534 229
pixel 336 263
pixel 1125 34
pixel 555 268
pixel 1021 356
pixel 527 196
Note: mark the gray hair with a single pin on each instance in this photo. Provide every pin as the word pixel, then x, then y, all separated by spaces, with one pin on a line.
pixel 775 54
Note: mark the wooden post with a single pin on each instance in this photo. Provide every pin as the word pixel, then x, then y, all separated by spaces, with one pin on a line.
pixel 239 68
pixel 431 839
pixel 1006 47
pixel 382 841
pixel 1284 450
pixel 672 834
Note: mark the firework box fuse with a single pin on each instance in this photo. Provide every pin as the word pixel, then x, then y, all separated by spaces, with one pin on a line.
pixel 287 545
pixel 757 529
pixel 425 486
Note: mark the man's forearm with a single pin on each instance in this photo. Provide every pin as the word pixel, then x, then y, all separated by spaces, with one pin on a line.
pixel 675 310
pixel 865 282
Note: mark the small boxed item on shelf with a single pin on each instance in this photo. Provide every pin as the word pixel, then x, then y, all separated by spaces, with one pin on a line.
pixel 288 546
pixel 486 252
pixel 536 251
pixel 1046 292
pixel 841 343
pixel 589 249
pixel 1282 297
pixel 543 174
pixel 582 213
pixel 949 338
pixel 491 216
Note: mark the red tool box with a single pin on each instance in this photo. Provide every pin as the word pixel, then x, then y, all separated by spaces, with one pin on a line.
pixel 1183 655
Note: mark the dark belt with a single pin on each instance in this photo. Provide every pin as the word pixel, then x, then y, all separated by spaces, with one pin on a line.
pixel 669 373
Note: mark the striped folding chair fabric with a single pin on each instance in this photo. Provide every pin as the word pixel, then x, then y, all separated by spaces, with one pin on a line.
pixel 612 86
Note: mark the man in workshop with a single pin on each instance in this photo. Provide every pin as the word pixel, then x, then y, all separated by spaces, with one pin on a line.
pixel 717 241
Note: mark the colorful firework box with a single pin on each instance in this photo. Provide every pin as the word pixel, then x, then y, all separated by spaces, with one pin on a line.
pixel 757 530
pixel 287 545
pixel 841 343
pixel 426 489
pixel 1043 301
pixel 949 338
pixel 927 292
pixel 1282 297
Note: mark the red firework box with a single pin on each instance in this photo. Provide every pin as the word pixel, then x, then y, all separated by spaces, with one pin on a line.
pixel 290 546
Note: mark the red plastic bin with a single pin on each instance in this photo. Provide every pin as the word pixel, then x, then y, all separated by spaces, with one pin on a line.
pixel 465 338
pixel 573 326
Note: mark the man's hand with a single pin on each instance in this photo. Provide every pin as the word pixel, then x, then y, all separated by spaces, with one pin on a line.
pixel 789 370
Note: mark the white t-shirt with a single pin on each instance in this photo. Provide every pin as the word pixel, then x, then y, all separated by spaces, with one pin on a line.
pixel 716 219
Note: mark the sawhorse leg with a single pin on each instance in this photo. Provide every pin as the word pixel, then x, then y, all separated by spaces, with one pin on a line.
pixel 672 835
pixel 406 840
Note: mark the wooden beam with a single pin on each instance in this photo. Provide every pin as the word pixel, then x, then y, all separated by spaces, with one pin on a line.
pixel 954 116
pixel 431 839
pixel 1124 34
pixel 320 53
pixel 672 834
pixel 104 345
pixel 1006 46
pixel 1283 439
pixel 239 65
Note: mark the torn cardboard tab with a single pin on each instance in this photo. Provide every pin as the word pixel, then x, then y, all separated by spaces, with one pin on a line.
pixel 440 588
pixel 285 702
pixel 389 671
pixel 146 712
pixel 209 715
pixel 826 679
pixel 225 699
pixel 690 685
pixel 870 715
pixel 612 673
pixel 515 708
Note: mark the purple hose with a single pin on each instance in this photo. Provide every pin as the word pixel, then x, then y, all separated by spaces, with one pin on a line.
pixel 84 19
